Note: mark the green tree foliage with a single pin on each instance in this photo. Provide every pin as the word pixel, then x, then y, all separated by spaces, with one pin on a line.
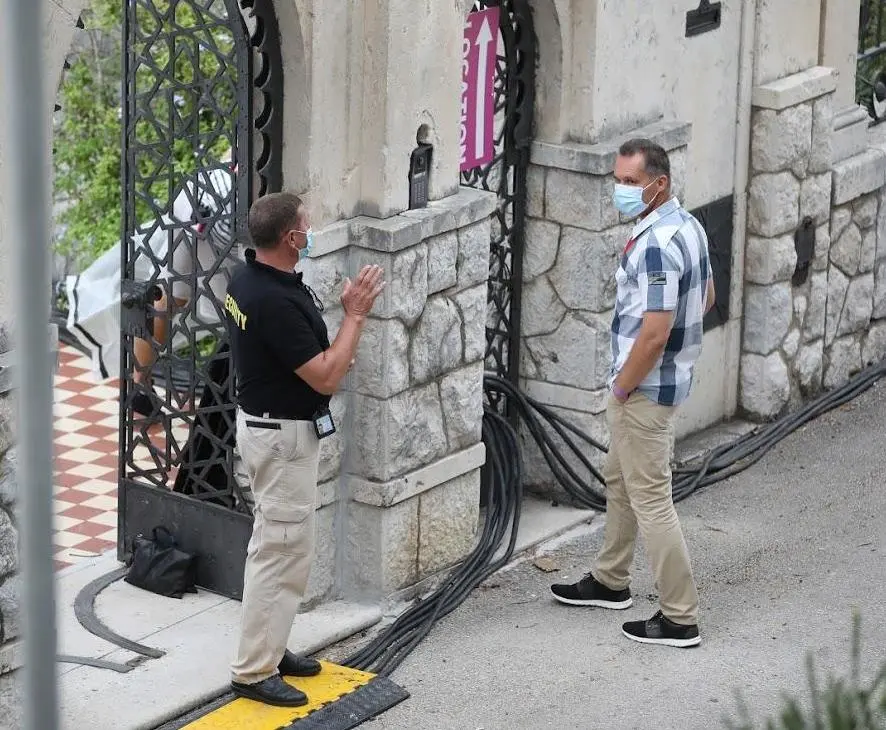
pixel 197 121
pixel 86 145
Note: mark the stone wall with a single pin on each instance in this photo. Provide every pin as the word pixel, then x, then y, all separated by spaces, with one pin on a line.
pixel 10 629
pixel 805 333
pixel 9 594
pixel 574 237
pixel 400 482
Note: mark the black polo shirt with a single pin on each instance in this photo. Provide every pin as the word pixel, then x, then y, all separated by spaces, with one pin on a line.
pixel 275 328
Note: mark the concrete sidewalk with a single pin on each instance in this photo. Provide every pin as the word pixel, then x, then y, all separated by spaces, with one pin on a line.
pixel 197 635
pixel 782 554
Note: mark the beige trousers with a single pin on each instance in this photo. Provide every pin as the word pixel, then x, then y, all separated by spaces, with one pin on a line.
pixel 282 464
pixel 638 494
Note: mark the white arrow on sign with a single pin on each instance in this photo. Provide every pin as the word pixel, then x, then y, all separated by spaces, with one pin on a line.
pixel 484 38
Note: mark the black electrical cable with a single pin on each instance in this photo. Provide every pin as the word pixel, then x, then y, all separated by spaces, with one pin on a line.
pixel 387 651
pixel 504 501
pixel 504 485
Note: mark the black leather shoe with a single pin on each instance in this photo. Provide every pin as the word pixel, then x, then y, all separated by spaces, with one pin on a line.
pixel 271 691
pixel 146 405
pixel 293 665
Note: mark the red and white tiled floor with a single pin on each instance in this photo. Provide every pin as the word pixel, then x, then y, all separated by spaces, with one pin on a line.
pixel 85 437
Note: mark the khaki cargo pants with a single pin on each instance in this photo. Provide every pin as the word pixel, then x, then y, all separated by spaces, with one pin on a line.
pixel 282 459
pixel 638 494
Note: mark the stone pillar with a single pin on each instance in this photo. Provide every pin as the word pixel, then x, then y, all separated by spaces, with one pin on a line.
pixel 787 37
pixel 855 332
pixel 410 80
pixel 573 240
pixel 10 588
pixel 612 88
pixel 800 337
pixel 839 50
pixel 402 480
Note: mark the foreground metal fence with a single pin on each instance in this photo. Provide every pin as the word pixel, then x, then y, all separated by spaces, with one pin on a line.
pixel 870 88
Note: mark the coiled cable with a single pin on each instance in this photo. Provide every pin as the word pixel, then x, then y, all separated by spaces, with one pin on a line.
pixel 504 500
pixel 561 444
pixel 504 484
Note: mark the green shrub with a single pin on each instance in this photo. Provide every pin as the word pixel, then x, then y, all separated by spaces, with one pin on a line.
pixel 841 705
pixel 88 130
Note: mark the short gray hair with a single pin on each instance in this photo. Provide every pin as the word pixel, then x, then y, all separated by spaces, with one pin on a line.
pixel 271 216
pixel 656 160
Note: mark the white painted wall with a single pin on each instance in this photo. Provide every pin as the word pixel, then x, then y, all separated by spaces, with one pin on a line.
pixel 412 77
pixel 788 36
pixel 839 46
pixel 370 75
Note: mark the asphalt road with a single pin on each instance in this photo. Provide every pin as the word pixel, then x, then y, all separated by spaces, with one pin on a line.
pixel 782 554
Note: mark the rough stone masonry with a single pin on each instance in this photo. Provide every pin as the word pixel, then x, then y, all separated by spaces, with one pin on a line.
pixel 574 238
pixel 803 336
pixel 9 581
pixel 403 474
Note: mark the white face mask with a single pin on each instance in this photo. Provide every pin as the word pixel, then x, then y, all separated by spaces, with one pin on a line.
pixel 309 243
pixel 309 237
pixel 628 199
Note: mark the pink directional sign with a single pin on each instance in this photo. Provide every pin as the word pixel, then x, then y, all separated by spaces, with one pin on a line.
pixel 477 88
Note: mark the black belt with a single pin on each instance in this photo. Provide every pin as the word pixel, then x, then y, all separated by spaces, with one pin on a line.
pixel 263 424
pixel 273 416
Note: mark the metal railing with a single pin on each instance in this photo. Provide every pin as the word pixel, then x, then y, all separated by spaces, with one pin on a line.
pixel 25 127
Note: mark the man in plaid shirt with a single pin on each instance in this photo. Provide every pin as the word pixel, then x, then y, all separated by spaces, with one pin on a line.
pixel 665 288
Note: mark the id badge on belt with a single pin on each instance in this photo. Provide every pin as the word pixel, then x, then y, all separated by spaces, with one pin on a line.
pixel 323 424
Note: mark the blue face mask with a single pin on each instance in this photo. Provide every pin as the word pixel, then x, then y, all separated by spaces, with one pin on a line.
pixel 628 199
pixel 309 237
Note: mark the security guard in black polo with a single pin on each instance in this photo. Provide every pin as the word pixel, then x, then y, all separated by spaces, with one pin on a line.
pixel 286 373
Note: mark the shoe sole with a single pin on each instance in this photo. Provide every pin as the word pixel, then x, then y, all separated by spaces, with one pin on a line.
pixel 596 603
pixel 266 701
pixel 676 643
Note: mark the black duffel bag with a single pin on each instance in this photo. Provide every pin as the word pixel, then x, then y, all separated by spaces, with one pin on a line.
pixel 159 566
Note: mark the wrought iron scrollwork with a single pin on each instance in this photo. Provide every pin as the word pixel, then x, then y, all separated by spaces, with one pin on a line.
pixel 267 83
pixel 505 175
pixel 202 113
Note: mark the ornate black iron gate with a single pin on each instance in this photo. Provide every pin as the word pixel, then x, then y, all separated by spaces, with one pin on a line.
pixel 202 105
pixel 506 176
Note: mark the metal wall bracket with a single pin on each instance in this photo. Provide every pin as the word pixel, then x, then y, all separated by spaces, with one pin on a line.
pixel 804 243
pixel 706 17
pixel 716 219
